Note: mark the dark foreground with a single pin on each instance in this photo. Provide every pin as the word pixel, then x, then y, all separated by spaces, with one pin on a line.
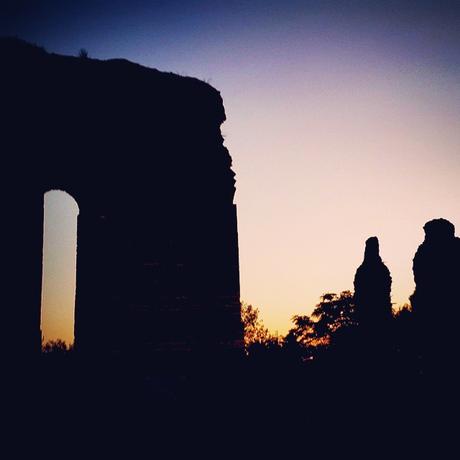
pixel 246 406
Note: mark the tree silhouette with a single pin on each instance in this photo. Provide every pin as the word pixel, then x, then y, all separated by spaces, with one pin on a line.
pixel 436 310
pixel 373 290
pixel 83 53
pixel 56 347
pixel 256 335
pixel 331 315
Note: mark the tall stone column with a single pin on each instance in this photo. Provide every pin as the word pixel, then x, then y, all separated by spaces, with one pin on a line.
pixel 373 298
pixel 435 301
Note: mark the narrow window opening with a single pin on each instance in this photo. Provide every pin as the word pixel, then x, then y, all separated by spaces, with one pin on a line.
pixel 59 267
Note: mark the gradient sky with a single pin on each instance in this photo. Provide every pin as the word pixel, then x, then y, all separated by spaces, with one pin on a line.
pixel 343 121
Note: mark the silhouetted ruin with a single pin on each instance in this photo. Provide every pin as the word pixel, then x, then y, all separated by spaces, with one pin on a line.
pixel 372 289
pixel 436 306
pixel 142 153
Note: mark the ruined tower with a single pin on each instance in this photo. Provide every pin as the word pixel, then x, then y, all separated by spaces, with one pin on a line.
pixel 372 290
pixel 435 302
pixel 142 153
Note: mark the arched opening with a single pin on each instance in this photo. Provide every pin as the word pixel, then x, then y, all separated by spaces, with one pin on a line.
pixel 59 267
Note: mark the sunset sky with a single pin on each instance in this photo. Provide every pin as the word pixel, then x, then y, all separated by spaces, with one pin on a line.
pixel 343 121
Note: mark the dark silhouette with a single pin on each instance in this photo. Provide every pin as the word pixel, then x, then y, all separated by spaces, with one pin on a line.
pixel 83 53
pixel 158 308
pixel 261 346
pixel 56 347
pixel 255 331
pixel 436 308
pixel 372 289
pixel 331 316
pixel 372 297
pixel 142 154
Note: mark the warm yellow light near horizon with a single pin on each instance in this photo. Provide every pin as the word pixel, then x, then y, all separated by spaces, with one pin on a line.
pixel 59 266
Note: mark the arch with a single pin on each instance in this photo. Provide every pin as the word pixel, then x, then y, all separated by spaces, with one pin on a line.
pixel 57 312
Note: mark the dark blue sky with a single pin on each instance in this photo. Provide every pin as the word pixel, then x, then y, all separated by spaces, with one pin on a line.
pixel 115 27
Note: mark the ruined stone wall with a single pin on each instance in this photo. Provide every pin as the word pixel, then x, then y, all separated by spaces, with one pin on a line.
pixel 142 154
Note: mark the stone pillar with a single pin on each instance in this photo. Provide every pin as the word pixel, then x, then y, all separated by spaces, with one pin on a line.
pixel 373 293
pixel 435 301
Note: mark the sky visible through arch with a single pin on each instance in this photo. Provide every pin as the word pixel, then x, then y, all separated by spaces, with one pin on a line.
pixel 343 121
pixel 59 263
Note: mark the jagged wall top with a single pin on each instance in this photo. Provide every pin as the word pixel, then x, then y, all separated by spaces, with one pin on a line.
pixel 111 127
pixel 188 92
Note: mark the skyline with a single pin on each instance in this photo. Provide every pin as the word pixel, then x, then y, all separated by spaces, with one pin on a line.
pixel 342 124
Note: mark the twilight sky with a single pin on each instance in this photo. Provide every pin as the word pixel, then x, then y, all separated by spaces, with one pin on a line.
pixel 343 121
